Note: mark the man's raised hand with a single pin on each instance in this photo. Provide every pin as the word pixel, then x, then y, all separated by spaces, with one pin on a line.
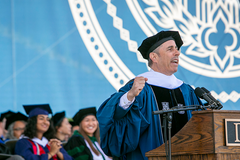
pixel 138 84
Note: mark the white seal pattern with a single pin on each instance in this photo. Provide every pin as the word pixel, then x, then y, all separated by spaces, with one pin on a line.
pixel 196 31
pixel 116 71
pixel 97 44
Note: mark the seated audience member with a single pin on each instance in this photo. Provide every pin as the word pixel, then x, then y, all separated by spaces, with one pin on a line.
pixel 5 152
pixel 36 142
pixel 62 126
pixel 74 126
pixel 3 120
pixel 84 143
pixel 15 125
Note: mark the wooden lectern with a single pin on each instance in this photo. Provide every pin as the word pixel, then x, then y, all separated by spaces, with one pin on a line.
pixel 202 138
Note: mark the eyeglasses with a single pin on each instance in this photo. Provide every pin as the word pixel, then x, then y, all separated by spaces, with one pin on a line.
pixel 19 129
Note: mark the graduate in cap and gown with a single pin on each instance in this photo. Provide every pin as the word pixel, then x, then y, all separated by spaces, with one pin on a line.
pixel 3 148
pixel 128 128
pixel 84 143
pixel 62 126
pixel 15 125
pixel 36 142
pixel 3 121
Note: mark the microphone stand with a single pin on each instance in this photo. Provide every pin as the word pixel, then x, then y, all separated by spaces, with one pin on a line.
pixel 167 116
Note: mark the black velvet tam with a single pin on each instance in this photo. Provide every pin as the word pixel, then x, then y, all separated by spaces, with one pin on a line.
pixel 15 117
pixel 58 117
pixel 151 43
pixel 82 113
pixel 6 115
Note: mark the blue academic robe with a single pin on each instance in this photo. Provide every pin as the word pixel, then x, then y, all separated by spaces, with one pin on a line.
pixel 135 131
pixel 24 148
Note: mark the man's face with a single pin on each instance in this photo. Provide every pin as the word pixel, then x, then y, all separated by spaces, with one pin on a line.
pixel 167 59
pixel 18 129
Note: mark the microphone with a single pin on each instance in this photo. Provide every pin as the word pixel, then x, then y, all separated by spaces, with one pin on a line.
pixel 202 94
pixel 212 98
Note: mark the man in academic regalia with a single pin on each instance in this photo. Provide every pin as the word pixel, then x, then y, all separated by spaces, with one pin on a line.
pixel 127 127
pixel 15 125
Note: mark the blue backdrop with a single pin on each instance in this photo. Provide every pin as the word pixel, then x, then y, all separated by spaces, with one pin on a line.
pixel 75 54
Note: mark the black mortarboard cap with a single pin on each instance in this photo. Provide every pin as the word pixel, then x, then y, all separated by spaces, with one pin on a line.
pixel 58 117
pixel 151 43
pixel 82 113
pixel 6 114
pixel 15 117
pixel 36 109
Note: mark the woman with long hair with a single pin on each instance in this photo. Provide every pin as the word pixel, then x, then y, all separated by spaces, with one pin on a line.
pixel 84 143
pixel 37 141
